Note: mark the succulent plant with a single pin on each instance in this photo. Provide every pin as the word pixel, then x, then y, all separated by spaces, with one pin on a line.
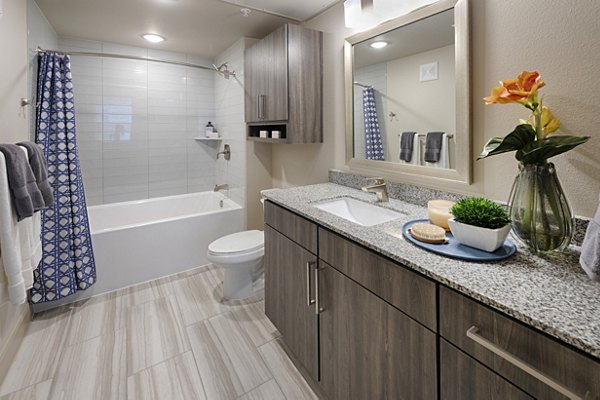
pixel 478 211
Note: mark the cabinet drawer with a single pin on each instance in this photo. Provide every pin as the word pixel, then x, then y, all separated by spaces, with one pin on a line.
pixel 463 378
pixel 299 229
pixel 501 343
pixel 404 289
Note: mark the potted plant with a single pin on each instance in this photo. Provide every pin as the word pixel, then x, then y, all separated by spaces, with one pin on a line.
pixel 479 223
pixel 541 216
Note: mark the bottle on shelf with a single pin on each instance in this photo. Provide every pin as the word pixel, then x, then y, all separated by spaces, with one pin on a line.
pixel 209 130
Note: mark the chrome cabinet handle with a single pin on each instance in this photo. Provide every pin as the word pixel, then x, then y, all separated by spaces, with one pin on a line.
pixel 309 301
pixel 318 308
pixel 473 334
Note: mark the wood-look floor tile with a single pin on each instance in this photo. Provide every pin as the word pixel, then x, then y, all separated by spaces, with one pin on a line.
pixel 95 369
pixel 94 317
pixel 252 320
pixel 39 352
pixel 290 381
pixel 227 359
pixel 267 391
pixel 39 391
pixel 198 296
pixel 155 333
pixel 174 379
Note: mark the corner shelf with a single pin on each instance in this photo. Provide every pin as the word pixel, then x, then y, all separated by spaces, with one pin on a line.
pixel 205 139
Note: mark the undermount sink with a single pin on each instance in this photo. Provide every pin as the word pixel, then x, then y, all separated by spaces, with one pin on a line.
pixel 359 212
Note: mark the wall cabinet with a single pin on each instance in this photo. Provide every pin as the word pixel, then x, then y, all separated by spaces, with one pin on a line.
pixel 364 327
pixel 283 86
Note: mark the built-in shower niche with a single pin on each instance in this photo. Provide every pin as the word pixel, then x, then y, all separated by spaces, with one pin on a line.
pixel 254 132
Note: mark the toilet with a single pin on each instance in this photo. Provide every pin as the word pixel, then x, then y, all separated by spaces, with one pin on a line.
pixel 240 255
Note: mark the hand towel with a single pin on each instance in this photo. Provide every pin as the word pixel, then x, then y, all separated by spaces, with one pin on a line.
pixel 444 160
pixel 407 143
pixel 20 243
pixel 590 249
pixel 25 194
pixel 433 146
pixel 38 165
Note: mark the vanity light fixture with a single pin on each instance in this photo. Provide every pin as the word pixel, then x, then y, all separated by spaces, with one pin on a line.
pixel 153 37
pixel 379 44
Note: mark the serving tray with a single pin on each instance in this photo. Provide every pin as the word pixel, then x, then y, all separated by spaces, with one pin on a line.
pixel 452 248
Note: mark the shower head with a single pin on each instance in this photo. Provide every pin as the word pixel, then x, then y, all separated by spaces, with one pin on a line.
pixel 224 70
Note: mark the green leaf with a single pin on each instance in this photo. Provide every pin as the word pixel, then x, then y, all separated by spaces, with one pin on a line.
pixel 516 140
pixel 541 150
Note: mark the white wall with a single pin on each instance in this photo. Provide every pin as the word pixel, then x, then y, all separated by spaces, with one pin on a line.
pixel 136 121
pixel 560 42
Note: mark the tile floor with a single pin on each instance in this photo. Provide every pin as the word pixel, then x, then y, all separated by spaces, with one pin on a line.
pixel 167 339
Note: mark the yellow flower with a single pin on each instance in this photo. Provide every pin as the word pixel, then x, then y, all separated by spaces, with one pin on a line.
pixel 521 90
pixel 549 122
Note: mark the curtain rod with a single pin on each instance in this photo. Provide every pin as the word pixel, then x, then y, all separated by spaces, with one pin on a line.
pixel 93 54
pixel 365 86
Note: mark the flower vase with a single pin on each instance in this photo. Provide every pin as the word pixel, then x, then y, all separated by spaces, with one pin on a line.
pixel 541 216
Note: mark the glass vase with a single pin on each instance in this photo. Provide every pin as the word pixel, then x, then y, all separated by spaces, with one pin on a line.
pixel 541 216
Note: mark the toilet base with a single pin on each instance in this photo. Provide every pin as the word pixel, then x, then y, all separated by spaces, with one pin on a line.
pixel 239 281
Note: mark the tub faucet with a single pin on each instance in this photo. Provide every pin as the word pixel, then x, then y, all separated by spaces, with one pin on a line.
pixel 379 188
pixel 226 153
pixel 221 187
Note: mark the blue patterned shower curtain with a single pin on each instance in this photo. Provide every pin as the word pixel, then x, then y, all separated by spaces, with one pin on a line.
pixel 68 261
pixel 373 143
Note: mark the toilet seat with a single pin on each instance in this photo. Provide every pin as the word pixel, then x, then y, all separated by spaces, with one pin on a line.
pixel 240 243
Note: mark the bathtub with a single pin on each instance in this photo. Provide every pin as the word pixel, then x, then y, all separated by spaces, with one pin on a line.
pixel 137 241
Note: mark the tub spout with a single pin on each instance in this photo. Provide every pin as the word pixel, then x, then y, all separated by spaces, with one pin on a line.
pixel 221 187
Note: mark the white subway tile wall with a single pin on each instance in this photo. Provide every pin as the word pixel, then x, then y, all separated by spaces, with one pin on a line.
pixel 136 121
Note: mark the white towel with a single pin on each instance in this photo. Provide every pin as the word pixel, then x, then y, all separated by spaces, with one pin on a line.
pixel 20 245
pixel 444 161
pixel 416 155
pixel 590 249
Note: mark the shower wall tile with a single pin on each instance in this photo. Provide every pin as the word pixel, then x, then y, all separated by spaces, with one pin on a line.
pixel 136 121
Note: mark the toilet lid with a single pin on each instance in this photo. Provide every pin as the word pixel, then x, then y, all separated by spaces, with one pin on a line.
pixel 239 242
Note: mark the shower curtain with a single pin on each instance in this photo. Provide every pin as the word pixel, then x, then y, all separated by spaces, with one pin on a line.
pixel 68 261
pixel 373 142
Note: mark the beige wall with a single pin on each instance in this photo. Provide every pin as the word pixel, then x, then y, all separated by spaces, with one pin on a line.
pixel 557 38
pixel 13 128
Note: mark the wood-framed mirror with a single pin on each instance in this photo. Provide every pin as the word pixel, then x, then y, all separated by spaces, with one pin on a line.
pixel 408 104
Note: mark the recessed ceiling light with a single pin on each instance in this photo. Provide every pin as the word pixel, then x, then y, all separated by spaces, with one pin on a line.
pixel 378 45
pixel 153 37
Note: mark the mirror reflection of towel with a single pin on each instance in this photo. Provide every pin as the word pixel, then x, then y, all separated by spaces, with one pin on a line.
pixel 407 141
pixel 433 146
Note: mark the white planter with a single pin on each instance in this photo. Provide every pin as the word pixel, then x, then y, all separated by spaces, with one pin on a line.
pixel 480 238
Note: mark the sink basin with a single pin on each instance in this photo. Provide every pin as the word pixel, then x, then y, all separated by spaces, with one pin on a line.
pixel 359 212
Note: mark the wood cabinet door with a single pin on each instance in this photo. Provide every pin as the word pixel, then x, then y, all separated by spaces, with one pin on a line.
pixel 288 271
pixel 463 378
pixel 253 82
pixel 369 349
pixel 275 75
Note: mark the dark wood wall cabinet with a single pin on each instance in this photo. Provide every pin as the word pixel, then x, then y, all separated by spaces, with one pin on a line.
pixel 361 326
pixel 284 86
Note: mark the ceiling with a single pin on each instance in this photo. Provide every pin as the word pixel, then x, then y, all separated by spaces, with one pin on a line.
pixel 201 27
pixel 427 34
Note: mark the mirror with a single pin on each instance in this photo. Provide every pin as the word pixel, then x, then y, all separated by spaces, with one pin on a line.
pixel 407 100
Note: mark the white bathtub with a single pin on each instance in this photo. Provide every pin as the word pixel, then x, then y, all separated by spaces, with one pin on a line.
pixel 137 241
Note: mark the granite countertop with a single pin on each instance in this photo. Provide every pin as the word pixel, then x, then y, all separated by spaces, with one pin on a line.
pixel 550 293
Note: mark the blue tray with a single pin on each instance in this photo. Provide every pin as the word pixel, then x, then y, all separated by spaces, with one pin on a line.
pixel 454 249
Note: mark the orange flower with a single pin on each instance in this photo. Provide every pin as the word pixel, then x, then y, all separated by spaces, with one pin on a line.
pixel 520 90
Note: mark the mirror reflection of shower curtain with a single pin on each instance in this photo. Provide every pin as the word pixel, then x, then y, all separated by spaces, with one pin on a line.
pixel 67 261
pixel 373 142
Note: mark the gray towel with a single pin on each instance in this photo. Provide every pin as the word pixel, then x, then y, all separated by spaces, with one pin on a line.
pixel 25 194
pixel 40 171
pixel 407 145
pixel 433 146
pixel 590 249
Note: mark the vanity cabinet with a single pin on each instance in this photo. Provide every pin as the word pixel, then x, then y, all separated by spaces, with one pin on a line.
pixel 500 344
pixel 283 86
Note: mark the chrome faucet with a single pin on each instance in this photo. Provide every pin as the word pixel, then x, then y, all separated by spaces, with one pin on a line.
pixel 379 188
pixel 221 187
pixel 226 153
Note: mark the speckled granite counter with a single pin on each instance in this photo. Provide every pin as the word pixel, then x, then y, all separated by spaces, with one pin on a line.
pixel 550 293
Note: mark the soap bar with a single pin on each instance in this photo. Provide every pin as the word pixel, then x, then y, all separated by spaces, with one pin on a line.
pixel 438 212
